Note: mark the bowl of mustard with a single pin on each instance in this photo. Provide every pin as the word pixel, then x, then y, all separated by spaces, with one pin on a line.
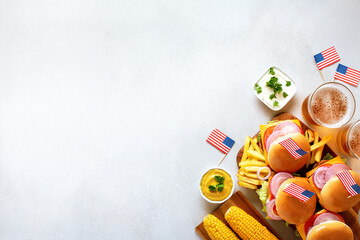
pixel 216 185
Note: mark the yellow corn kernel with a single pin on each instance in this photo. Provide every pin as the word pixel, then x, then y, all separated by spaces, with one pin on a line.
pixel 217 230
pixel 247 227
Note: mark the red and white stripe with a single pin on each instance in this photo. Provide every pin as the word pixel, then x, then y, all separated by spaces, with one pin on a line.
pixel 352 76
pixel 216 138
pixel 330 56
pixel 296 191
pixel 291 146
pixel 347 180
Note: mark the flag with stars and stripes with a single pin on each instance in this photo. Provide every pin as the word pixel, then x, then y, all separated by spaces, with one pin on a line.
pixel 347 75
pixel 326 58
pixel 299 192
pixel 349 183
pixel 220 141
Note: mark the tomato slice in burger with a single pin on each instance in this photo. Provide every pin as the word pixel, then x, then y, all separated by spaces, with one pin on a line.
pixel 267 133
pixel 309 223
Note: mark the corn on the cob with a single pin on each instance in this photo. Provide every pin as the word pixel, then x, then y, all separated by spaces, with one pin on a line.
pixel 217 230
pixel 247 227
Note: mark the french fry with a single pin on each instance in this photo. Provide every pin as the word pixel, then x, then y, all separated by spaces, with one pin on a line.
pixel 312 158
pixel 251 175
pixel 251 147
pixel 246 148
pixel 256 155
pixel 309 135
pixel 250 180
pixel 241 172
pixel 251 162
pixel 247 185
pixel 318 153
pixel 323 141
pixel 256 147
pixel 252 169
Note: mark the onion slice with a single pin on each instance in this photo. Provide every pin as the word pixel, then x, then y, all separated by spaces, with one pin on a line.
pixel 277 180
pixel 259 172
pixel 271 210
pixel 319 177
pixel 288 127
pixel 325 217
pixel 273 137
pixel 335 169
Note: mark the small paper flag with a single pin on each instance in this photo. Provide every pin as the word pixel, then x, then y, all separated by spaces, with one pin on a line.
pixel 220 141
pixel 299 192
pixel 292 147
pixel 349 183
pixel 326 58
pixel 347 75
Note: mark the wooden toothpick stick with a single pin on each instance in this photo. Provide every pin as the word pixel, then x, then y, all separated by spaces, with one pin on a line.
pixel 222 159
pixel 322 75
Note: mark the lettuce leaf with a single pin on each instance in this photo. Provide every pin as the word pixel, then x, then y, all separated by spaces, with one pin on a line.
pixel 263 193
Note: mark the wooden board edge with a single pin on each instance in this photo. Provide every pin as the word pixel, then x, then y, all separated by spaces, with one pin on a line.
pixel 250 209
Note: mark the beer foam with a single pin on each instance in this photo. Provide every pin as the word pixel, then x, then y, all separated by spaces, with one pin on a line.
pixel 329 105
pixel 354 140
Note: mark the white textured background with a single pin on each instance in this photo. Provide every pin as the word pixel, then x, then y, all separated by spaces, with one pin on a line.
pixel 105 105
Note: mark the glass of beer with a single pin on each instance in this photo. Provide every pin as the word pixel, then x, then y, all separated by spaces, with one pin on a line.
pixel 348 140
pixel 331 105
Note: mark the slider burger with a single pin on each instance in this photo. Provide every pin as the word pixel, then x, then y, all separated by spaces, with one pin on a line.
pixel 325 225
pixel 290 199
pixel 336 185
pixel 285 146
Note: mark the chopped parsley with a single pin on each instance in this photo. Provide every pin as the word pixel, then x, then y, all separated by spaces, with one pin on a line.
pixel 288 83
pixel 258 88
pixel 274 84
pixel 219 179
pixel 285 94
pixel 212 188
pixel 272 96
pixel 220 186
pixel 276 103
pixel 272 72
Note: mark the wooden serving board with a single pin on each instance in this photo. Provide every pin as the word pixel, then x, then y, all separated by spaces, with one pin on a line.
pixel 238 199
pixel 350 216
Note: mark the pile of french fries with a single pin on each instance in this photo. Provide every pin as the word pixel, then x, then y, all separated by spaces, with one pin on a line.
pixel 317 147
pixel 252 160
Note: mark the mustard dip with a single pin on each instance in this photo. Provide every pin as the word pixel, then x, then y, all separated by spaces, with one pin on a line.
pixel 209 179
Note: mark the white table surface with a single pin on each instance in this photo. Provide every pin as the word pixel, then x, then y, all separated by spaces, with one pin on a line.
pixel 105 105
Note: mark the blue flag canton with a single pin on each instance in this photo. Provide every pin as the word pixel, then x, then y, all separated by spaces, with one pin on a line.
pixel 341 69
pixel 300 152
pixel 228 142
pixel 319 57
pixel 356 188
pixel 307 194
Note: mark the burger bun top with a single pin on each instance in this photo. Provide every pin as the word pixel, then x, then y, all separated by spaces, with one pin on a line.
pixel 292 209
pixel 332 230
pixel 281 160
pixel 334 196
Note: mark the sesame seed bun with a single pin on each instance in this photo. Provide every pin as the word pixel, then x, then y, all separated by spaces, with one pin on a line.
pixel 292 209
pixel 332 230
pixel 334 196
pixel 281 160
